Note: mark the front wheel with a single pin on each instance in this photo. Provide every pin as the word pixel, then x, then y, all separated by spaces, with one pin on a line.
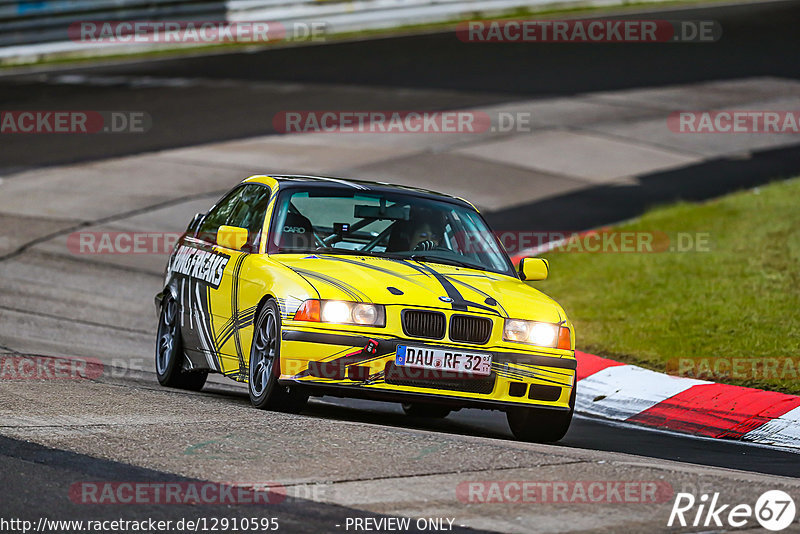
pixel 540 425
pixel 169 352
pixel 265 363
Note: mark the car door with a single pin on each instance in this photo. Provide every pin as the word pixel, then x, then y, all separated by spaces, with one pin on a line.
pixel 198 266
pixel 229 317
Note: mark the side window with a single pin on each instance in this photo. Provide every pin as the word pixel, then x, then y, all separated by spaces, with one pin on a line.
pixel 218 216
pixel 249 213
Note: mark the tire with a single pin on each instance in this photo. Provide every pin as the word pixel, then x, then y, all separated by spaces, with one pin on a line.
pixel 540 425
pixel 428 411
pixel 263 368
pixel 169 352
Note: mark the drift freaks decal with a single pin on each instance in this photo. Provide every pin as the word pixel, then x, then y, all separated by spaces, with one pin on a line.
pixel 201 265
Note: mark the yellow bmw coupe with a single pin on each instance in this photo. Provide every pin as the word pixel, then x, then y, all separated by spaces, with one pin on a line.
pixel 308 286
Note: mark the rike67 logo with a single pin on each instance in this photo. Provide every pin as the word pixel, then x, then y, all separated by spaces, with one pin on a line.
pixel 774 510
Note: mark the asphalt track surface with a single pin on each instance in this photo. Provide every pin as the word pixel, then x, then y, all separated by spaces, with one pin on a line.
pixel 584 433
pixel 42 477
pixel 759 40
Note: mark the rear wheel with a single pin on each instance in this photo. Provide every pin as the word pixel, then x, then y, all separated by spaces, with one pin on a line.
pixel 430 411
pixel 540 425
pixel 169 352
pixel 264 366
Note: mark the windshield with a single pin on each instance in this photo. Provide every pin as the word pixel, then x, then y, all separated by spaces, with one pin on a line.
pixel 341 221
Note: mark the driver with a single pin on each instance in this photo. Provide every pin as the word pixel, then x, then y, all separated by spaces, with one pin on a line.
pixel 423 231
pixel 424 237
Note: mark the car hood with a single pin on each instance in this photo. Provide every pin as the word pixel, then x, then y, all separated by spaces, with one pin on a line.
pixel 426 284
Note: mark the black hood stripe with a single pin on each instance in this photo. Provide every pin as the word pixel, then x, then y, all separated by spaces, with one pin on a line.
pixel 502 311
pixel 413 266
pixel 459 303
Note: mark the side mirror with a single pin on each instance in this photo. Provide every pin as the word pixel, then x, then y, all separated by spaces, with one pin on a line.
pixel 231 237
pixel 533 269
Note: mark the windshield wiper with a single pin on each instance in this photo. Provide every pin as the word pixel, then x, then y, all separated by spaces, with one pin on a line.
pixel 445 261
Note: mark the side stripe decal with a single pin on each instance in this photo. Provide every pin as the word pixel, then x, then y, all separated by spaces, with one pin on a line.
pixel 235 312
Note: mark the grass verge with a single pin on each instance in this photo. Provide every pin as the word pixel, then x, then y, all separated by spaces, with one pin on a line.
pixel 729 314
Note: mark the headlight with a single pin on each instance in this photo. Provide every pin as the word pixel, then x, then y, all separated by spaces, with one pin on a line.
pixel 516 330
pixel 543 334
pixel 341 312
pixel 365 314
pixel 539 334
pixel 336 311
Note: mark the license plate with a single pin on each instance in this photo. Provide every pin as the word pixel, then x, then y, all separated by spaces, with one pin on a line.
pixel 444 360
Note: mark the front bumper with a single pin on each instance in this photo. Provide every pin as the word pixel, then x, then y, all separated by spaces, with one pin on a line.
pixel 333 362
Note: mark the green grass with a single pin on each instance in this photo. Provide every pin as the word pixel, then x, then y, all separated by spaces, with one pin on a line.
pixel 741 299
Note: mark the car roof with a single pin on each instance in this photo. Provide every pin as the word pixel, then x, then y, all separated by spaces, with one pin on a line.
pixel 290 180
